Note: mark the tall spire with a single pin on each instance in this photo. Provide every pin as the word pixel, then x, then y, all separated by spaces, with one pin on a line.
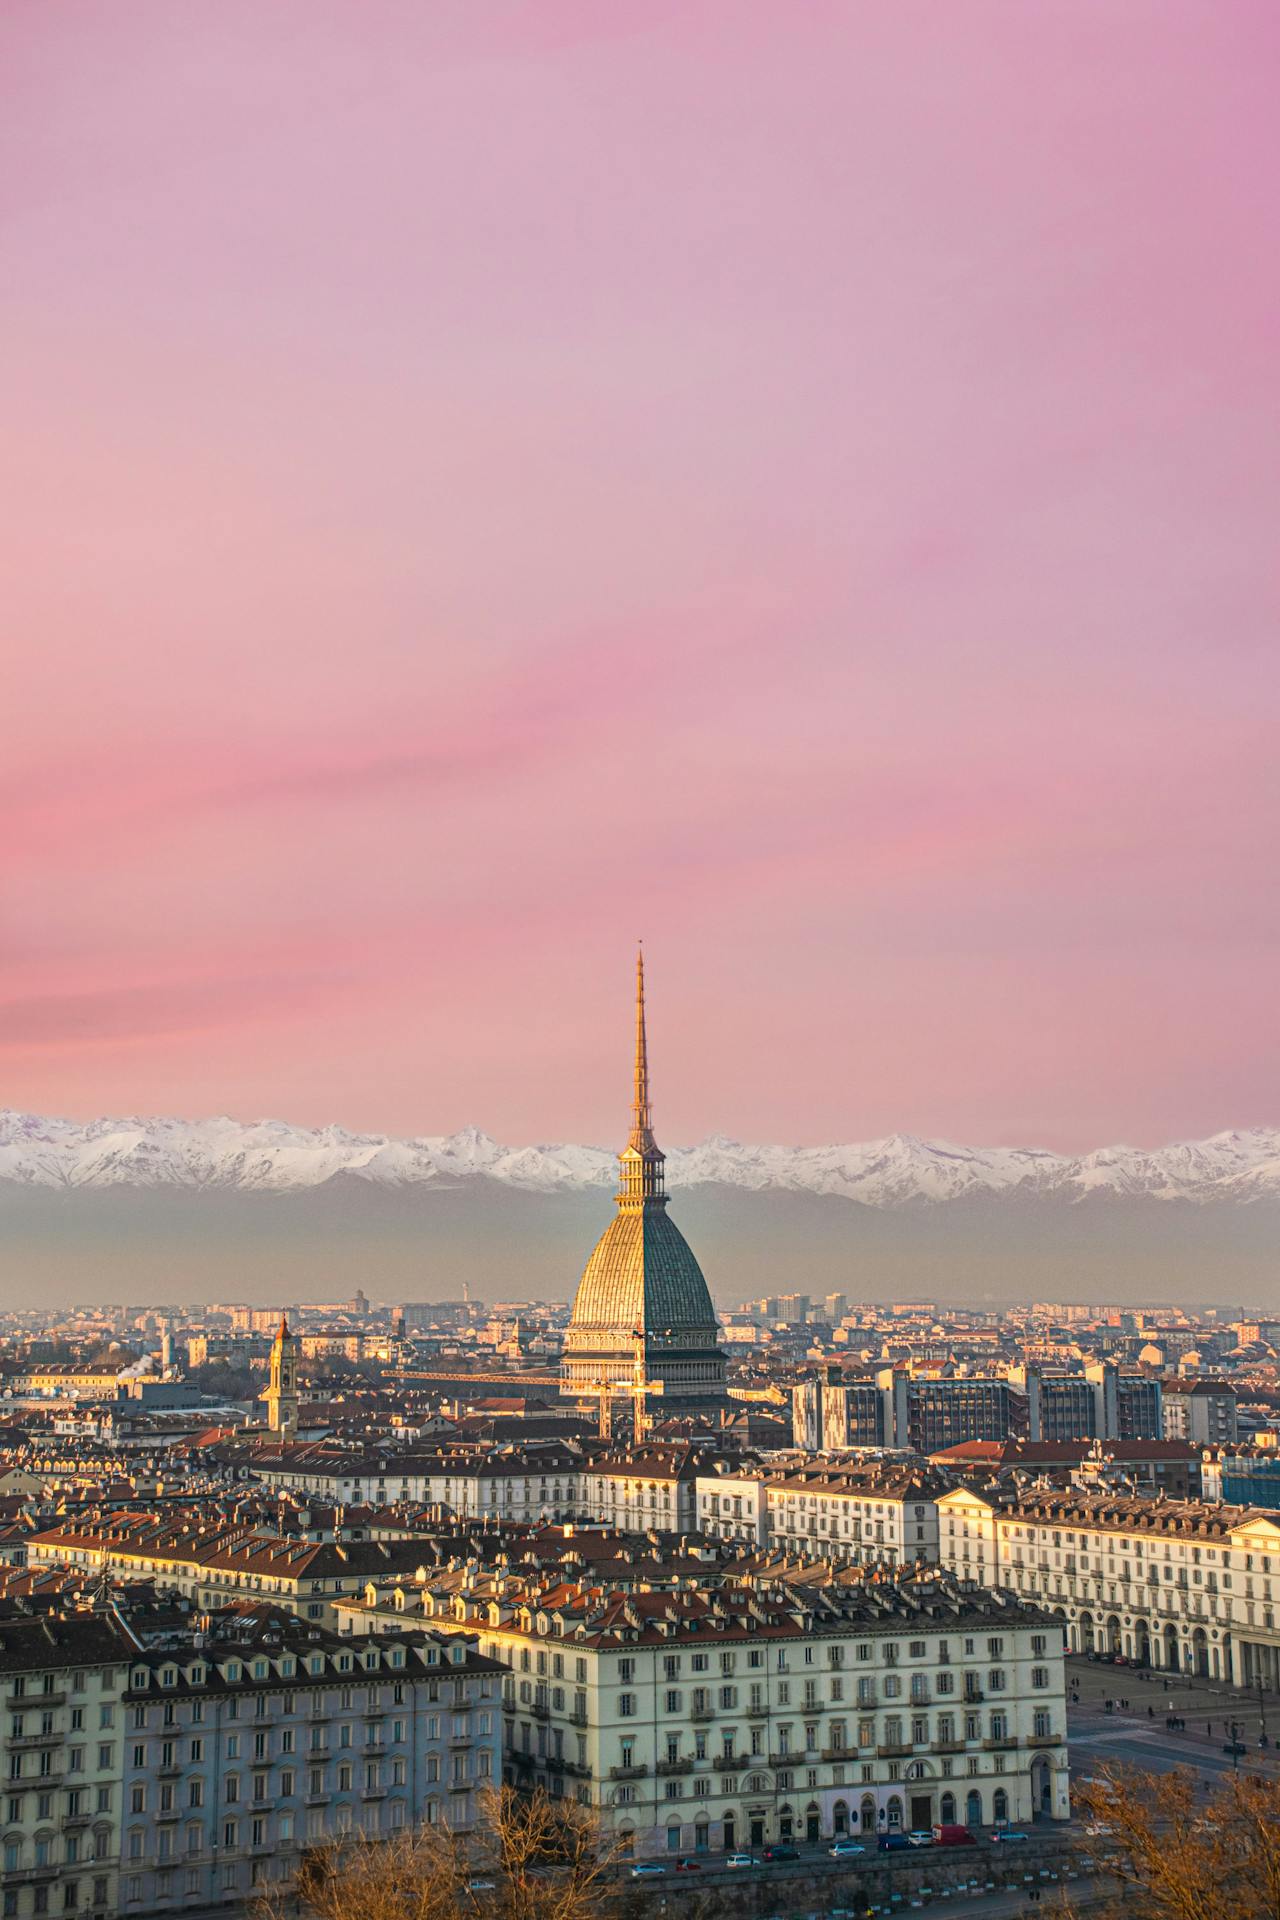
pixel 642 1113
pixel 641 1160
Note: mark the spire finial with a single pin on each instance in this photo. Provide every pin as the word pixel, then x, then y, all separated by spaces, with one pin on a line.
pixel 642 1157
pixel 642 1116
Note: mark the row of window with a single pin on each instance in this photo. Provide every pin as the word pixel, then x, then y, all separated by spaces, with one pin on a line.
pixel 836 1736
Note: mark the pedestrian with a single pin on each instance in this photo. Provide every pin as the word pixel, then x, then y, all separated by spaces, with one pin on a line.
pixel 1151 1713
pixel 1208 1729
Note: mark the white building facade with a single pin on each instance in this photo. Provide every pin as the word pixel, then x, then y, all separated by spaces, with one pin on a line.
pixel 1179 1585
pixel 693 1721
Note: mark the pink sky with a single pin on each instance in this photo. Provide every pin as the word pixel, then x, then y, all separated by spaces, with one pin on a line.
pixel 797 483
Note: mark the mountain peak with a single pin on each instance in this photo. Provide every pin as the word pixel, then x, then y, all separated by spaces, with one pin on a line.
pixel 898 1171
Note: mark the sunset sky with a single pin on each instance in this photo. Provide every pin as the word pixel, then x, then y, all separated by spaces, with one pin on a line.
pixel 483 482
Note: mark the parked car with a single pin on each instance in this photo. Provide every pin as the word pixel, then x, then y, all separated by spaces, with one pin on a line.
pixel 646 1869
pixel 482 1886
pixel 953 1836
pixel 846 1849
pixel 781 1852
pixel 742 1860
pixel 920 1837
pixel 1006 1838
pixel 893 1843
pixel 688 1866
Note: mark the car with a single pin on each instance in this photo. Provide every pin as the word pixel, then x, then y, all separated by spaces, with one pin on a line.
pixel 688 1866
pixel 846 1849
pixel 781 1852
pixel 893 1843
pixel 742 1860
pixel 646 1869
pixel 920 1837
pixel 482 1886
pixel 951 1835
pixel 1006 1838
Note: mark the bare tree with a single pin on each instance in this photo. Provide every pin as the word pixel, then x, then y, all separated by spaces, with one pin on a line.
pixel 528 1858
pixel 1178 1854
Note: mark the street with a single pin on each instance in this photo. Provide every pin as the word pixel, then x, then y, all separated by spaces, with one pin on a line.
pixel 1135 1737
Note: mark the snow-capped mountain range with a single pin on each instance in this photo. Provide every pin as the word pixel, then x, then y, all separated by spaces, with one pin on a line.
pixel 270 1156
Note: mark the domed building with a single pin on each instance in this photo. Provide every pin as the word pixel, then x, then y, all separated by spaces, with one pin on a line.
pixel 643 1326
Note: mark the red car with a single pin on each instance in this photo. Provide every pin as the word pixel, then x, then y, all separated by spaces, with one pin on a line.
pixel 688 1866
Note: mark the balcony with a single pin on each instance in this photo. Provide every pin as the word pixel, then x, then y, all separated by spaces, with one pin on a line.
pixel 33 1702
pixel 973 1695
pixel 578 1768
pixel 627 1773
pixel 839 1753
pixel 733 1762
pixel 1046 1739
pixel 673 1766
pixel 702 1713
pixel 757 1713
pixel 577 1719
pixel 1007 1743
pixel 784 1759
pixel 947 1746
pixel 72 1821
pixel 21 1741
pixel 893 1749
pixel 540 1710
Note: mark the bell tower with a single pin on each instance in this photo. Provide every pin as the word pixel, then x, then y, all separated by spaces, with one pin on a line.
pixel 282 1394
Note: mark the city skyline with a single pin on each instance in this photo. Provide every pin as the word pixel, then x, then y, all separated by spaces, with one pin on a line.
pixel 639 1171
pixel 804 495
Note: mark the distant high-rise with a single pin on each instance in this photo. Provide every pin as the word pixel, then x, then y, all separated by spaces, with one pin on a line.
pixel 643 1324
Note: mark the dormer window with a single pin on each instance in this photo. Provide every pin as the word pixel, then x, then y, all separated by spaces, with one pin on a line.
pixel 141 1677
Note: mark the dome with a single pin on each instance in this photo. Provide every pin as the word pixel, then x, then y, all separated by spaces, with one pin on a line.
pixel 642 1321
pixel 642 1274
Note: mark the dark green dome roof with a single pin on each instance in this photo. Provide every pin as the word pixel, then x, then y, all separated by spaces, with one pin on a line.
pixel 643 1273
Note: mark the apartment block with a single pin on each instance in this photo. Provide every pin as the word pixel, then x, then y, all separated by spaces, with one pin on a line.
pixel 768 1709
pixel 1178 1585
